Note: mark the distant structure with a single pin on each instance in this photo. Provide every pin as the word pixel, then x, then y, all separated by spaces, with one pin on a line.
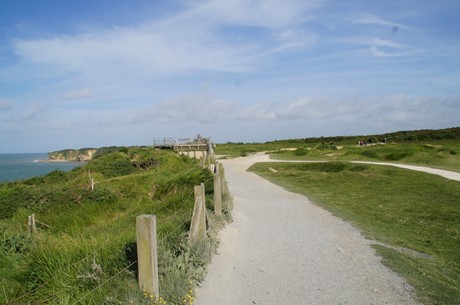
pixel 197 147
pixel 164 143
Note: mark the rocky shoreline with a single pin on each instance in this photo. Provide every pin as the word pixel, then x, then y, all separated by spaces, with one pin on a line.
pixel 72 155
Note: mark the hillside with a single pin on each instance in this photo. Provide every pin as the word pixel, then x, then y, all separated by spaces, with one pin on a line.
pixel 84 251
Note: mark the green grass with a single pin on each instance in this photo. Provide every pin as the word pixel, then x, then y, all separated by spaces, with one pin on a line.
pixel 440 154
pixel 434 148
pixel 88 253
pixel 400 208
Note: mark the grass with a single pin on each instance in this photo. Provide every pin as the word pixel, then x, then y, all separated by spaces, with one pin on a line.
pixel 399 208
pixel 87 255
pixel 434 148
pixel 443 154
pixel 243 149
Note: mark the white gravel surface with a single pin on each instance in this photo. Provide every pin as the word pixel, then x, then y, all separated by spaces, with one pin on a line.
pixel 283 250
pixel 440 172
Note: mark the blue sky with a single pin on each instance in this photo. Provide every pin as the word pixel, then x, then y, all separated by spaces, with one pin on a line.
pixel 96 73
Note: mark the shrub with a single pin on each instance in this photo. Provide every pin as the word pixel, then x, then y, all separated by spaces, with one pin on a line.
pixel 359 168
pixel 327 167
pixel 300 152
pixel 396 156
pixel 372 140
pixel 369 154
pixel 112 165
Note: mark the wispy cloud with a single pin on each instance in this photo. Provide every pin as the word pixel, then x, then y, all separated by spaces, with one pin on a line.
pixel 76 95
pixel 366 18
pixel 189 41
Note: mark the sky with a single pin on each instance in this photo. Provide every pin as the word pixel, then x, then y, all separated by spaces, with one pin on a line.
pixel 93 73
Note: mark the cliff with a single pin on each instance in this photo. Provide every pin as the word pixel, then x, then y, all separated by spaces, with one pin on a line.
pixel 84 154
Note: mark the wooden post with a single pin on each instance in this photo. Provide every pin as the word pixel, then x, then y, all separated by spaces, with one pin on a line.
pixel 223 186
pixel 92 184
pixel 217 195
pixel 209 161
pixel 32 225
pixel 147 253
pixel 198 225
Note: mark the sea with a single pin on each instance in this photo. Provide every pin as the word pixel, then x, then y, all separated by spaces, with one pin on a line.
pixel 22 166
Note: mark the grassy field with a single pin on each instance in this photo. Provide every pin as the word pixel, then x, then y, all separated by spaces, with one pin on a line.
pixel 87 253
pixel 435 148
pixel 438 154
pixel 443 154
pixel 415 215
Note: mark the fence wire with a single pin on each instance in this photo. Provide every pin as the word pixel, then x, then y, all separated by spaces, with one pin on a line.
pixel 184 205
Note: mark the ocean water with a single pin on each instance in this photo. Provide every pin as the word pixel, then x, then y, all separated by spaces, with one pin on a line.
pixel 22 166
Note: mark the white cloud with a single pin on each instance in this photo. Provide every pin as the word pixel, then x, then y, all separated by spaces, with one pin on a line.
pixel 185 42
pixel 366 18
pixel 127 51
pixel 378 47
pixel 76 95
pixel 198 108
pixel 6 104
pixel 259 13
pixel 385 43
pixel 377 44
pixel 380 53
pixel 34 111
pixel 400 108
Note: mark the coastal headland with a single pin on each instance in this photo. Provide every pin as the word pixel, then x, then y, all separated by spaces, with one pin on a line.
pixel 71 155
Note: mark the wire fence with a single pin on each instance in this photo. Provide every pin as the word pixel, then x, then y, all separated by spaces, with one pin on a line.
pixel 51 300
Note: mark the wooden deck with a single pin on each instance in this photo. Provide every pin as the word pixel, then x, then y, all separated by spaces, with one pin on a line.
pixel 170 143
pixel 191 147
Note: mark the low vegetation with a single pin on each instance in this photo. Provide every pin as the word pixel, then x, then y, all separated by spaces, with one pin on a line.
pixel 435 148
pixel 84 251
pixel 414 216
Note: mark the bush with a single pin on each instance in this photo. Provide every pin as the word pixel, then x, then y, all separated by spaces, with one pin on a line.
pixel 369 154
pixel 396 156
pixel 112 165
pixel 327 167
pixel 359 168
pixel 372 140
pixel 300 152
pixel 100 194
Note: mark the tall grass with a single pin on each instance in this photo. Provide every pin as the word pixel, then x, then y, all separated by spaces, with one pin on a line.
pixel 86 254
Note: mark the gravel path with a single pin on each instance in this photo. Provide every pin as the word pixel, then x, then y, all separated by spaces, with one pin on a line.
pixel 283 250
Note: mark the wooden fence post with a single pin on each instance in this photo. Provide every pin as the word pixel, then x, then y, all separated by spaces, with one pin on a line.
pixel 217 195
pixel 147 253
pixel 198 226
pixel 223 185
pixel 32 225
pixel 210 161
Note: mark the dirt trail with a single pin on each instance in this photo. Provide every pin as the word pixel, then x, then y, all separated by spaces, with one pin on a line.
pixel 283 250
